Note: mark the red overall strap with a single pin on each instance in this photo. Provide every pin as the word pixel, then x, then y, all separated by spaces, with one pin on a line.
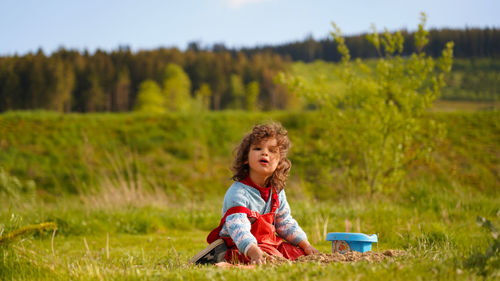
pixel 275 202
pixel 214 234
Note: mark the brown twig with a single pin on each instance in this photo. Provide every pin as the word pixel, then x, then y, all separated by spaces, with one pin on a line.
pixel 175 251
pixel 26 229
pixel 107 245
pixel 86 246
pixel 52 241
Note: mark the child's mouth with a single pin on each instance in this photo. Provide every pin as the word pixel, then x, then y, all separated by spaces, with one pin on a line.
pixel 264 162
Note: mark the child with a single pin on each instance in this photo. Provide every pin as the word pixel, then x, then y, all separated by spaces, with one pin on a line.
pixel 256 215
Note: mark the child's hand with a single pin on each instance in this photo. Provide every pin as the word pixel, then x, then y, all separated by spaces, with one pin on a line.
pixel 256 255
pixel 308 248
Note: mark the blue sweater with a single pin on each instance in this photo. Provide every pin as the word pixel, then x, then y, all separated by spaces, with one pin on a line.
pixel 237 225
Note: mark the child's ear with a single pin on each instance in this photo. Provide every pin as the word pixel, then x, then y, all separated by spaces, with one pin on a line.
pixel 246 162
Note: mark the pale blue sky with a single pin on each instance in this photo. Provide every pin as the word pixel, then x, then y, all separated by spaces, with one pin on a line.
pixel 26 25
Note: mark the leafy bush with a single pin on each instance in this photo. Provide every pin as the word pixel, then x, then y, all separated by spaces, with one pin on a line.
pixel 487 263
pixel 375 126
pixel 13 189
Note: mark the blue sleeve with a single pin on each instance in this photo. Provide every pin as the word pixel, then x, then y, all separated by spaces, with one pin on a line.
pixel 235 196
pixel 286 226
pixel 237 225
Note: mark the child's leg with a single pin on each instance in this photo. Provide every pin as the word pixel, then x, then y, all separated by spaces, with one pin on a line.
pixel 234 256
pixel 290 251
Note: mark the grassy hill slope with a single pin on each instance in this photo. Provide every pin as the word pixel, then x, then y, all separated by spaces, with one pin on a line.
pixel 134 197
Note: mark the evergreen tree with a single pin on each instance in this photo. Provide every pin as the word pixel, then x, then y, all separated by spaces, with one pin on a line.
pixel 62 82
pixel 36 83
pixel 10 86
pixel 121 92
pixel 93 95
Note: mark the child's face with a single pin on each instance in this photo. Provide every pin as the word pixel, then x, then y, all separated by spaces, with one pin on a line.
pixel 263 158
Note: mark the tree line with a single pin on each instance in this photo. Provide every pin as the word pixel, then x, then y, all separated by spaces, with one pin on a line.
pixel 213 78
pixel 469 43
pixel 70 81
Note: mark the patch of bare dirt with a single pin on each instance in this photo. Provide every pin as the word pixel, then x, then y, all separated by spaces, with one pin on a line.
pixel 270 259
pixel 351 256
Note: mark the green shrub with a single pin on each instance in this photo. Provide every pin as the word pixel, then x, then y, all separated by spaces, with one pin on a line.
pixel 13 189
pixel 487 263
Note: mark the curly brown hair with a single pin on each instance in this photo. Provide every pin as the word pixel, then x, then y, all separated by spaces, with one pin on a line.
pixel 260 133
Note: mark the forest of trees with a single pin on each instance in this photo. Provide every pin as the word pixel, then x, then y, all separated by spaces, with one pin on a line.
pixel 70 81
pixel 469 43
pixel 196 79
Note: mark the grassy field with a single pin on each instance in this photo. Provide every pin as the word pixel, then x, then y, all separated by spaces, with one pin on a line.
pixel 134 196
pixel 467 106
pixel 470 80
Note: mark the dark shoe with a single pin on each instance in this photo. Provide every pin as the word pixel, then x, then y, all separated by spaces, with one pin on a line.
pixel 212 254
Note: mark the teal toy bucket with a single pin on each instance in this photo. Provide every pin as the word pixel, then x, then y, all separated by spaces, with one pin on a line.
pixel 342 242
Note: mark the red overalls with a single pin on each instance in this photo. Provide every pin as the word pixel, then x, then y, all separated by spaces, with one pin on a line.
pixel 262 229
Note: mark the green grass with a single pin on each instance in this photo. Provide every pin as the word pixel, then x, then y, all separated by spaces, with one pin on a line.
pixel 464 106
pixel 189 155
pixel 472 81
pixel 156 242
pixel 137 180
